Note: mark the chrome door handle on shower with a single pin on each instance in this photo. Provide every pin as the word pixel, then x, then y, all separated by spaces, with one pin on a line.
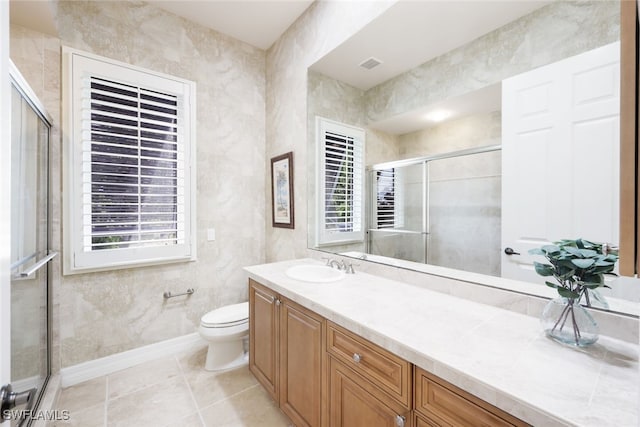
pixel 510 251
pixel 38 265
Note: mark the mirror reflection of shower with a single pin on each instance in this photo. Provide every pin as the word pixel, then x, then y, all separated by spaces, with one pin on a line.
pixel 442 209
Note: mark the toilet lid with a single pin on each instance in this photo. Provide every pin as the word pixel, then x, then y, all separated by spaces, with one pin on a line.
pixel 227 316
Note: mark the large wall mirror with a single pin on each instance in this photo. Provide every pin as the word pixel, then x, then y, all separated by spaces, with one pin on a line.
pixel 490 128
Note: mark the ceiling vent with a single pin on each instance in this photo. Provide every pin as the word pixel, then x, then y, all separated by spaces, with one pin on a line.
pixel 370 63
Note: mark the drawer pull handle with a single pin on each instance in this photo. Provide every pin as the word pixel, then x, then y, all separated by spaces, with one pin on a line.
pixel 357 358
pixel 278 302
pixel 400 420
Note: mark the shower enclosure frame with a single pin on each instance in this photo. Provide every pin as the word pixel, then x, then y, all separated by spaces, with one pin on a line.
pixel 24 89
pixel 425 220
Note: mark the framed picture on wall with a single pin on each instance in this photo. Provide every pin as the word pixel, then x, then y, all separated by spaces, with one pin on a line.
pixel 282 190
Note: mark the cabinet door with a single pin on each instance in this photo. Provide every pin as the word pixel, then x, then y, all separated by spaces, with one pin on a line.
pixel 263 337
pixel 444 404
pixel 352 403
pixel 300 364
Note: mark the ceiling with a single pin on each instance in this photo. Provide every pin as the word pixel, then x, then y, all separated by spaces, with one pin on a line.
pixel 257 22
pixel 410 33
pixel 485 100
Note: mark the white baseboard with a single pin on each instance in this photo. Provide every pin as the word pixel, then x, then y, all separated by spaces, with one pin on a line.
pixel 106 365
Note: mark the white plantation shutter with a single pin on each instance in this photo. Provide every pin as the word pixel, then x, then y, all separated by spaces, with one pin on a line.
pixel 131 174
pixel 386 198
pixel 341 178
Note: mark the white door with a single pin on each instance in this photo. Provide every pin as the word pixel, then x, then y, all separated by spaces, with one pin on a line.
pixel 560 156
pixel 5 196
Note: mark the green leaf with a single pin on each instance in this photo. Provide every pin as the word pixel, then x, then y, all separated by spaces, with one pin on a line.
pixel 593 279
pixel 564 292
pixel 551 249
pixel 543 269
pixel 573 251
pixel 601 263
pixel 552 285
pixel 582 263
pixel 588 253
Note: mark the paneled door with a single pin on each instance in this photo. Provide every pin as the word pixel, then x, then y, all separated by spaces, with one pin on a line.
pixel 560 156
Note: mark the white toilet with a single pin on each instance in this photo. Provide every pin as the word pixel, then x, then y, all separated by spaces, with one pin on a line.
pixel 225 329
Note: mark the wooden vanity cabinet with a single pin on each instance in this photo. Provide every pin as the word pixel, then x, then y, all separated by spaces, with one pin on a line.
pixel 355 402
pixel 438 403
pixel 285 351
pixel 263 337
pixel 368 385
pixel 323 375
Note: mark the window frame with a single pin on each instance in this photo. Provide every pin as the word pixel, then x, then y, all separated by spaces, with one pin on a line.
pixel 323 237
pixel 78 65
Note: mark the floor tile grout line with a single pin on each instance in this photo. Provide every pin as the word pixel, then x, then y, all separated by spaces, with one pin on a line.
pixel 230 397
pixel 193 397
pixel 146 386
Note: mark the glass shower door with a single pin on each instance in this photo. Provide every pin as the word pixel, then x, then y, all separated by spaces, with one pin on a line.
pixel 399 226
pixel 465 212
pixel 29 250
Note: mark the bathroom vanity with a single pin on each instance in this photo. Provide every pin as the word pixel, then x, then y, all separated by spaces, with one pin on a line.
pixel 365 351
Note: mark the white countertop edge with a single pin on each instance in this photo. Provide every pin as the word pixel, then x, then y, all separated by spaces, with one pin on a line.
pixel 519 408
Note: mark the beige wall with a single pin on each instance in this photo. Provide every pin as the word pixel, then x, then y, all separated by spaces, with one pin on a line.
pixel 105 313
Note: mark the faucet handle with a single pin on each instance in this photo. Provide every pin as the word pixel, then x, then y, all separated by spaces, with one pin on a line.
pixel 328 259
pixel 348 268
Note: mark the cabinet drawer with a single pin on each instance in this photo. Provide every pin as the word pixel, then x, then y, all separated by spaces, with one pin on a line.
pixel 445 404
pixel 389 372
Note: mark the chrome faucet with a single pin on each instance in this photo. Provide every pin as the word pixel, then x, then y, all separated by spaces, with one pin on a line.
pixel 340 265
pixel 334 263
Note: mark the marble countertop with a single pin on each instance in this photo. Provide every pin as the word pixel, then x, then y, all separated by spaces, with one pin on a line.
pixel 500 356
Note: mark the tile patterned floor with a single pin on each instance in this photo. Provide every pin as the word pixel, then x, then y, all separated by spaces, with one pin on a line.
pixel 171 391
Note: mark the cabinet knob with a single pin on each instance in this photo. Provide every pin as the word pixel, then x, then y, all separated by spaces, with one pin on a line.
pixel 400 420
pixel 357 358
pixel 278 302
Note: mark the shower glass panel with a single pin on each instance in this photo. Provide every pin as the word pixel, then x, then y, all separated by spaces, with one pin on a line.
pixel 464 212
pixel 29 244
pixel 398 225
pixel 442 210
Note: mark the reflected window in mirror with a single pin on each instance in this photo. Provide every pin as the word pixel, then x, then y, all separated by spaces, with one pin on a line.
pixel 386 213
pixel 341 180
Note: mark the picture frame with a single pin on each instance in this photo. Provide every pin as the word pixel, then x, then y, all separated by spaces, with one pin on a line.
pixel 282 191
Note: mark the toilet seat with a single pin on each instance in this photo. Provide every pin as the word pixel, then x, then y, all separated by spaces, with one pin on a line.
pixel 226 317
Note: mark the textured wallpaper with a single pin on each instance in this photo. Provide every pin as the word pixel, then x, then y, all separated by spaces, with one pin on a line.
pixel 99 314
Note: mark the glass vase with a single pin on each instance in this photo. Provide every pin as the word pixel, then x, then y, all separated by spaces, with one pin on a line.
pixel 566 321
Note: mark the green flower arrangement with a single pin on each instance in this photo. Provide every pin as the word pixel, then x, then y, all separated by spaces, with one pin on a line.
pixel 579 267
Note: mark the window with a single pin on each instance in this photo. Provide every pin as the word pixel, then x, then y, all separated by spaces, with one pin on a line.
pixel 385 198
pixel 129 175
pixel 389 195
pixel 341 180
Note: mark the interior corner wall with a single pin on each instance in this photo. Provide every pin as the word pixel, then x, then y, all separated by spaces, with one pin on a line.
pixel 109 312
pixel 306 41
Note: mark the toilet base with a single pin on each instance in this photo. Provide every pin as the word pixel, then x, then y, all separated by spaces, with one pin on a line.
pixel 226 355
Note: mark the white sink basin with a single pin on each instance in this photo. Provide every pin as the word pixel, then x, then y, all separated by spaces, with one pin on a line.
pixel 314 273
